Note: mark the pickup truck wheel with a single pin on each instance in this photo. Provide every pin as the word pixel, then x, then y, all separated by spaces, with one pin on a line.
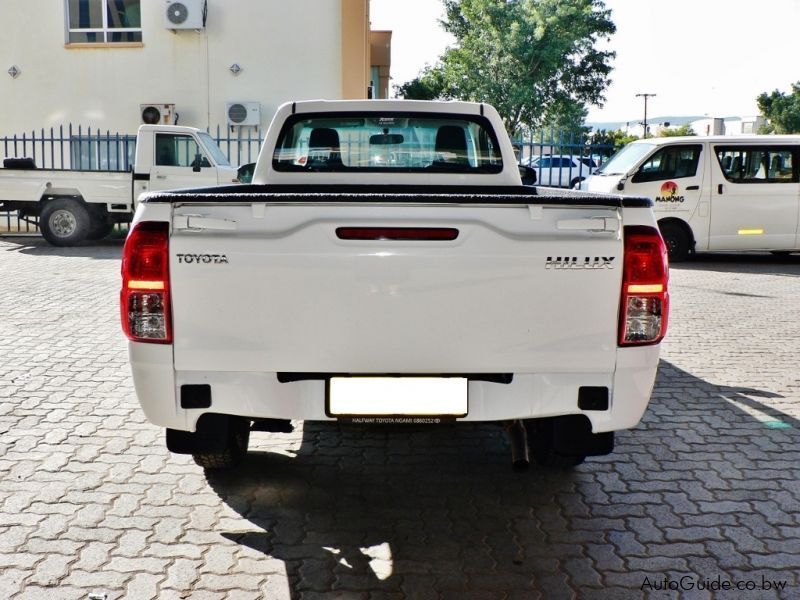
pixel 541 445
pixel 677 241
pixel 234 451
pixel 64 222
pixel 99 230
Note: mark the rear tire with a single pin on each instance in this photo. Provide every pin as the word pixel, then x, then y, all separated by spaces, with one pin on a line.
pixel 541 443
pixel 64 222
pixel 234 450
pixel 677 241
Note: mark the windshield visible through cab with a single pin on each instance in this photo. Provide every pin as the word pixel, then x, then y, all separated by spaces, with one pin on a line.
pixel 387 142
pixel 624 160
pixel 214 150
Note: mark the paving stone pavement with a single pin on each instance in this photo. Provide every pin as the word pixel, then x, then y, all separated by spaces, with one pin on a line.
pixel 703 493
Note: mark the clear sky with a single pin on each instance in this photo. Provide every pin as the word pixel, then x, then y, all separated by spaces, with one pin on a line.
pixel 699 56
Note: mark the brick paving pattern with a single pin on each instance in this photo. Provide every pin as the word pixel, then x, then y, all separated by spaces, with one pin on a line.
pixel 705 491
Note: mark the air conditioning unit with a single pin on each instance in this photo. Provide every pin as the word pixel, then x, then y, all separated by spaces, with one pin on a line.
pixel 243 113
pixel 158 114
pixel 185 14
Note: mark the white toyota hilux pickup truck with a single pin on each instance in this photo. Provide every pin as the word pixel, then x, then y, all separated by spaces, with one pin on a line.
pixel 388 266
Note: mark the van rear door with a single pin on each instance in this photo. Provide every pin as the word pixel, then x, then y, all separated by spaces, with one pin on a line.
pixel 754 197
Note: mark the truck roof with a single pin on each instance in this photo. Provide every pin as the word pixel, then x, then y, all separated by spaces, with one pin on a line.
pixel 430 106
pixel 728 139
pixel 169 129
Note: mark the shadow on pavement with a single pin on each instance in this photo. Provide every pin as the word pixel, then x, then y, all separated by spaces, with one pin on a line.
pixel 762 263
pixel 106 249
pixel 403 511
pixel 439 513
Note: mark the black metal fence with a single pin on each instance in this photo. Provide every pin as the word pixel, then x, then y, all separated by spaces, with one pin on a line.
pixel 559 158
pixel 81 148
pixel 87 149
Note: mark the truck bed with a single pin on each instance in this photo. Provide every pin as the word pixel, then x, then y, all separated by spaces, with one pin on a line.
pixel 262 281
pixel 30 185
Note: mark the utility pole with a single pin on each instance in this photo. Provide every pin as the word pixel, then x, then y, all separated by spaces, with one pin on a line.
pixel 645 96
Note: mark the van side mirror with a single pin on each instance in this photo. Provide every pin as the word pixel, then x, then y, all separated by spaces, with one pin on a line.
pixel 197 162
pixel 528 175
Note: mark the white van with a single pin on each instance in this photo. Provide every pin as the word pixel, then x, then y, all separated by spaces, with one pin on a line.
pixel 718 193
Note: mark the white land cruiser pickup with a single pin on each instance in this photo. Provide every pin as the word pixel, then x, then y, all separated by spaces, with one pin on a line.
pixel 72 206
pixel 387 266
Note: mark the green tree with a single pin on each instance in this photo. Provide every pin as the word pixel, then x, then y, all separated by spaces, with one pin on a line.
pixel 615 138
pixel 428 85
pixel 683 130
pixel 781 110
pixel 566 117
pixel 526 57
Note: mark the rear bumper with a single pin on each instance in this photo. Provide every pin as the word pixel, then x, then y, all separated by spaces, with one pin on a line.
pixel 261 395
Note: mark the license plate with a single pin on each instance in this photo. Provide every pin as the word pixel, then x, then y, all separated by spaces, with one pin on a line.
pixel 397 396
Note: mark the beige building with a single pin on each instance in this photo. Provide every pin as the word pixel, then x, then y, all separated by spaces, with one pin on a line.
pixel 381 60
pixel 203 63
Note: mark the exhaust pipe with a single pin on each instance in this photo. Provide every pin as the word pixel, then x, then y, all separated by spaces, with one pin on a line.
pixel 518 436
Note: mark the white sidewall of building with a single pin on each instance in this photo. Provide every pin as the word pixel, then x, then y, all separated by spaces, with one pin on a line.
pixel 287 50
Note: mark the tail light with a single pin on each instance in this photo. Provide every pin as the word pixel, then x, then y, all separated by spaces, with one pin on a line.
pixel 144 299
pixel 644 307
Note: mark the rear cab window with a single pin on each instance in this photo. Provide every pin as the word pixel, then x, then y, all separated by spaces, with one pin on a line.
pixel 758 164
pixel 387 142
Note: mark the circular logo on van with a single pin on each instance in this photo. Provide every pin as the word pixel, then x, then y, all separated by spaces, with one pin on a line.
pixel 669 194
pixel 669 188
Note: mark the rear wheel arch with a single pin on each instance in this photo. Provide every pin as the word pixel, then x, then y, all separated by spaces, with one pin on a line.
pixel 678 237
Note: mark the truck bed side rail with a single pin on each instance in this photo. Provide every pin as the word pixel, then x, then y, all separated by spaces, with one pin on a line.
pixel 416 194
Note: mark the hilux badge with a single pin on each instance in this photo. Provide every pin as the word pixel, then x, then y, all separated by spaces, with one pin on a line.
pixel 574 262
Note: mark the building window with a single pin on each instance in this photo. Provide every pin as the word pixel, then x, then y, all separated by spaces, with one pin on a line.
pixel 103 21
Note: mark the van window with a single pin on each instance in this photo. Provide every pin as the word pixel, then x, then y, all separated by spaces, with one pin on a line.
pixel 624 160
pixel 758 164
pixel 670 162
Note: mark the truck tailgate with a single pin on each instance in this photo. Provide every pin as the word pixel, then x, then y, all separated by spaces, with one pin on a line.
pixel 273 288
